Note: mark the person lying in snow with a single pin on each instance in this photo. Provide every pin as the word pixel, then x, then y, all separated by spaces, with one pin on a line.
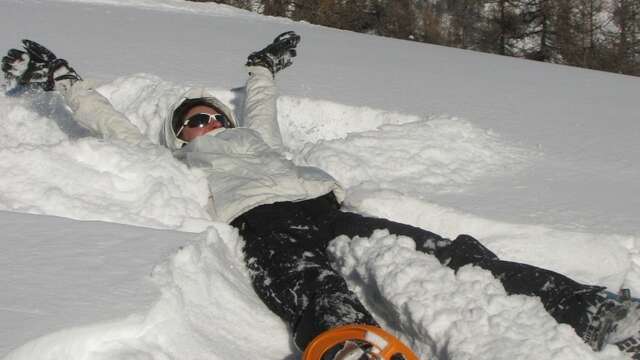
pixel 288 214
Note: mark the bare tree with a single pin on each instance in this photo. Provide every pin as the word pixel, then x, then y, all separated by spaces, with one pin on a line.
pixel 537 39
pixel 588 21
pixel 276 7
pixel 429 25
pixel 465 22
pixel 626 37
pixel 501 27
pixel 396 18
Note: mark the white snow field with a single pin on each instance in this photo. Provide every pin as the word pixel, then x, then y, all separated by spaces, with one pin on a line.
pixel 106 251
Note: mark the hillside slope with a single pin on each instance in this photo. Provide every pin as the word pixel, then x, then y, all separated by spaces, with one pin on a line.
pixel 538 161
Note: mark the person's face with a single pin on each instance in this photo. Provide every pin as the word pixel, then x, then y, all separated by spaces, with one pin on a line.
pixel 190 133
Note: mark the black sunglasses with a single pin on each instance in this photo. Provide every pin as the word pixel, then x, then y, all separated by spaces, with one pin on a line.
pixel 202 120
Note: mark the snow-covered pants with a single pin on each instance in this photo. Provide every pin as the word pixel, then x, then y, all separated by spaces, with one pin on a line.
pixel 285 251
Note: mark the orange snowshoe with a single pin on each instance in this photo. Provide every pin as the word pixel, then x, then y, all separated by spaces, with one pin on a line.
pixel 380 344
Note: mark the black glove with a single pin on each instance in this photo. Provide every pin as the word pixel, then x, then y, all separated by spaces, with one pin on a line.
pixel 36 67
pixel 277 55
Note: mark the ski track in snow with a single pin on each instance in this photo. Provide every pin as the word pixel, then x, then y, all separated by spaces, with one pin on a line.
pixel 54 168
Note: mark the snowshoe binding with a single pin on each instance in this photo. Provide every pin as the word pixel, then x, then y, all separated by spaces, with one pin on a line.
pixel 617 322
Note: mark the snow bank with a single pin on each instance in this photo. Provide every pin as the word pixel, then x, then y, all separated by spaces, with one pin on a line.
pixel 207 309
pixel 49 169
pixel 60 273
pixel 601 259
pixel 447 315
pixel 305 121
pixel 439 154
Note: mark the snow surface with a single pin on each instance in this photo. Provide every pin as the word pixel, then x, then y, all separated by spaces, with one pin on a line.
pixel 59 273
pixel 538 161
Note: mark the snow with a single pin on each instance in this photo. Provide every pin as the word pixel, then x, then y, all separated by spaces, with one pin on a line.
pixel 435 155
pixel 58 273
pixel 121 261
pixel 470 317
pixel 207 274
pixel 49 172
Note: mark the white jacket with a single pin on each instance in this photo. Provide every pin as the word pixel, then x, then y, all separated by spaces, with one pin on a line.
pixel 245 166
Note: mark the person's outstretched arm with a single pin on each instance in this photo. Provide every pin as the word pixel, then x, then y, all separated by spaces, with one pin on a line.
pixel 38 68
pixel 260 106
pixel 94 112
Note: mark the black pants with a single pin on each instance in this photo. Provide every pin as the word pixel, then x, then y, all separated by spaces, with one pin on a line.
pixel 285 251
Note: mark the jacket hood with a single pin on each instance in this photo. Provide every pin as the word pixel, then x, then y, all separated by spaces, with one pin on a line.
pixel 197 96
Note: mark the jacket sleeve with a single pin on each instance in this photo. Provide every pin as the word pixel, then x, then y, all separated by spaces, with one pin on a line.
pixel 260 106
pixel 94 112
